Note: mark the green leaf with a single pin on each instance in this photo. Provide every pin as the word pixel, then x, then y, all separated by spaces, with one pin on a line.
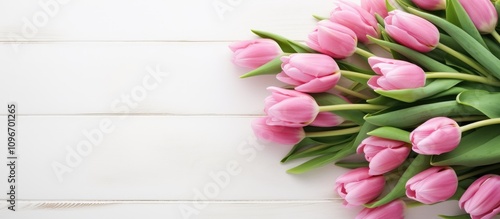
pixel 478 148
pixel 306 142
pixel 282 41
pixel 412 95
pixel 463 216
pixel 329 158
pixel 450 42
pixel 416 115
pixel 324 99
pixel 471 45
pixel 272 67
pixel 418 165
pixel 391 133
pixel 351 165
pixel 300 48
pixel 492 45
pixel 457 15
pixel 350 67
pixel 389 6
pixel 481 100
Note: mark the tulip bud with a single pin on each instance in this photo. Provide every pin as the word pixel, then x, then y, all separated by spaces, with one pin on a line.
pixel 327 119
pixel 395 74
pixel 383 154
pixel 482 13
pixel 357 187
pixel 412 31
pixel 430 5
pixel 433 185
pixel 392 210
pixel 277 134
pixel 290 108
pixel 310 73
pixel 254 53
pixel 333 39
pixel 357 19
pixel 482 198
pixel 375 7
pixel 436 136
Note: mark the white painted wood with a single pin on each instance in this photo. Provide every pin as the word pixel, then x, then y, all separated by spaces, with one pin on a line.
pixel 82 78
pixel 155 20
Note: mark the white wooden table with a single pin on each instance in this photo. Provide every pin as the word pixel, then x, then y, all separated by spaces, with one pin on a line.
pixel 132 109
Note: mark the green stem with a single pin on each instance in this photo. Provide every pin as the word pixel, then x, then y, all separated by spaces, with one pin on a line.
pixel 482 170
pixel 351 92
pixel 465 77
pixel 334 132
pixel 363 53
pixel 353 74
pixel 479 124
pixel 340 107
pixel 496 35
pixel 464 59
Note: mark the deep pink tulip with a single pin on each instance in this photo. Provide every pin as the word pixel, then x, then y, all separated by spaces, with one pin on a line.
pixel 375 7
pixel 327 119
pixel 412 31
pixel 357 187
pixel 392 210
pixel 333 39
pixel 277 134
pixel 383 154
pixel 433 185
pixel 436 136
pixel 482 13
pixel 482 198
pixel 430 5
pixel 290 108
pixel 310 73
pixel 395 74
pixel 355 18
pixel 254 53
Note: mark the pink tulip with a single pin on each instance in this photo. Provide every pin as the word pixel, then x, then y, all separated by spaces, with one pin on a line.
pixel 277 134
pixel 290 108
pixel 393 210
pixel 310 73
pixel 430 5
pixel 383 154
pixel 355 18
pixel 436 136
pixel 254 53
pixel 327 119
pixel 482 198
pixel 333 39
pixel 482 13
pixel 375 7
pixel 412 31
pixel 433 185
pixel 357 187
pixel 395 74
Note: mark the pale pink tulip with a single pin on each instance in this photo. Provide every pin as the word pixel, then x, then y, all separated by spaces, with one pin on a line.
pixel 433 185
pixel 482 13
pixel 277 134
pixel 290 108
pixel 412 31
pixel 357 187
pixel 355 18
pixel 383 154
pixel 310 73
pixel 375 7
pixel 254 53
pixel 436 136
pixel 430 5
pixel 333 39
pixel 395 74
pixel 392 210
pixel 327 119
pixel 482 198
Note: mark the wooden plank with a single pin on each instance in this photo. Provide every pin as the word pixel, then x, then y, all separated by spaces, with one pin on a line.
pixel 155 20
pixel 154 158
pixel 165 78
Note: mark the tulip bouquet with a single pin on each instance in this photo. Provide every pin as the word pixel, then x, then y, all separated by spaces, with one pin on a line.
pixel 412 87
